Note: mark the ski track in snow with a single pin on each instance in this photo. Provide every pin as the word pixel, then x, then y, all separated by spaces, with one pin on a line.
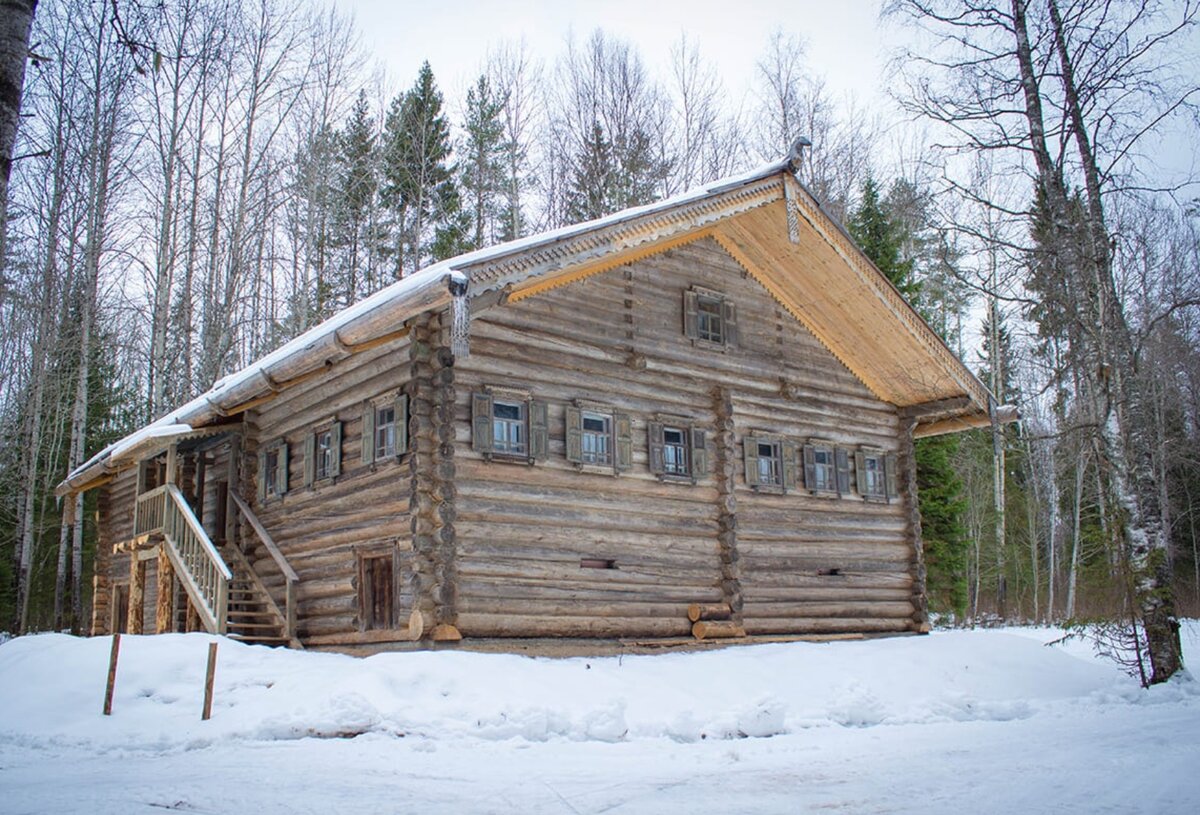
pixel 959 721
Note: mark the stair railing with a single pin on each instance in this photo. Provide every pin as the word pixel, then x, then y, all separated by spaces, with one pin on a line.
pixel 151 508
pixel 196 560
pixel 290 579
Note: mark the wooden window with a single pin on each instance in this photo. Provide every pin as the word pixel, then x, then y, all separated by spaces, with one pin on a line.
pixel 875 475
pixel 273 470
pixel 597 442
pixel 385 429
pixel 323 454
pixel 677 451
pixel 770 463
pixel 376 591
pixel 820 468
pixel 510 435
pixel 509 425
pixel 709 318
pixel 599 437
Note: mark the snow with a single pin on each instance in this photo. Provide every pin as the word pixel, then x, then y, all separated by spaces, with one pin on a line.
pixel 154 431
pixel 982 721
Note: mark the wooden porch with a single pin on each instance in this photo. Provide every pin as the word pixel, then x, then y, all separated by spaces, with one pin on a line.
pixel 202 583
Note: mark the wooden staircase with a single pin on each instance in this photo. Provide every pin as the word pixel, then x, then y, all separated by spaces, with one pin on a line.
pixel 252 616
pixel 226 593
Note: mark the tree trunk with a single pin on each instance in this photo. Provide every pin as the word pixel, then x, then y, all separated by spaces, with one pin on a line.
pixel 1127 420
pixel 16 19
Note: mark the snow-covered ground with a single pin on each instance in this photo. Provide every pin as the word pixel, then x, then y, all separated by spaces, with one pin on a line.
pixel 963 721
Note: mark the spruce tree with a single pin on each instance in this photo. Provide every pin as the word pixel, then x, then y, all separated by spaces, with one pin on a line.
pixel 592 178
pixel 878 233
pixel 939 489
pixel 483 162
pixel 418 186
pixel 356 188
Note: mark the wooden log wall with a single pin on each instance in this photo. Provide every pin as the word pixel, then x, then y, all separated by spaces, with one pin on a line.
pixel 115 506
pixel 431 390
pixel 325 528
pixel 491 548
pixel 790 563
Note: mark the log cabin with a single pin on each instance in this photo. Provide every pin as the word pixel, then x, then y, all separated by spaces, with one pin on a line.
pixel 692 419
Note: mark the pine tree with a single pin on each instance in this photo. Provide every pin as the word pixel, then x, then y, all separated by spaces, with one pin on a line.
pixel 483 163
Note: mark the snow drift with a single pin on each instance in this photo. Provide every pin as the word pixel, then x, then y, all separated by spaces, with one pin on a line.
pixel 53 687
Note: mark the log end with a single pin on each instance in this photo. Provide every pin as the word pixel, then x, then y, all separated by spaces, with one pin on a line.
pixel 704 630
pixel 416 625
pixel 446 633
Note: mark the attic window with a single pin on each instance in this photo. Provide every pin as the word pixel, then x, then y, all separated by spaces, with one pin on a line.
pixel 709 318
pixel 709 325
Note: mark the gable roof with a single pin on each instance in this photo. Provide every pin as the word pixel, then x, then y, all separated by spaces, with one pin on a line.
pixel 765 219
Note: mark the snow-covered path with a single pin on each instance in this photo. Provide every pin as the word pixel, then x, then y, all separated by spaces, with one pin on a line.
pixel 985 721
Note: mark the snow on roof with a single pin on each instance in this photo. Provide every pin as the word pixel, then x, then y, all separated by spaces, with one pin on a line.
pixel 395 295
pixel 153 431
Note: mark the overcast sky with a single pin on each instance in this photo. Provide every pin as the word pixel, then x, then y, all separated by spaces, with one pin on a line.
pixel 845 43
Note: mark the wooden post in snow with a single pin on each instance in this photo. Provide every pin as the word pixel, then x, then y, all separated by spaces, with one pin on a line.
pixel 112 674
pixel 208 681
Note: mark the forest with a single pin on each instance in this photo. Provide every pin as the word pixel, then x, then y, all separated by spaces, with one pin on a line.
pixel 194 182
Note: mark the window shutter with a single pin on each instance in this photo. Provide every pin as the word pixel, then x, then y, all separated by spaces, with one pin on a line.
pixel 623 430
pixel 310 459
pixel 729 315
pixel 481 422
pixel 335 444
pixel 400 431
pixel 368 434
pixel 810 467
pixel 574 426
pixel 787 454
pixel 750 454
pixel 654 446
pixel 860 471
pixel 893 488
pixel 281 479
pixel 691 312
pixel 539 431
pixel 262 475
pixel 699 453
pixel 842 457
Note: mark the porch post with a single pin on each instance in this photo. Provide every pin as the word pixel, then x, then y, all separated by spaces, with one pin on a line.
pixel 164 611
pixel 137 595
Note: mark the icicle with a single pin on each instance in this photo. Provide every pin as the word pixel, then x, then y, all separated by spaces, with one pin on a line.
pixel 460 319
